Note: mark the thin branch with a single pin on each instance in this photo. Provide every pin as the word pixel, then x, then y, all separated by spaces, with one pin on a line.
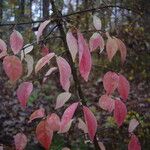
pixel 75 13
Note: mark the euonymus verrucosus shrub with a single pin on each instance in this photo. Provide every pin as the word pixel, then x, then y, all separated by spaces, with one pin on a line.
pixel 81 50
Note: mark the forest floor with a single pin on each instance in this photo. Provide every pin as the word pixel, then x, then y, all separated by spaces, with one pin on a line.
pixel 14 119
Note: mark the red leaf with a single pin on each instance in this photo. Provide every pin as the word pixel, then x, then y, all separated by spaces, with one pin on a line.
pixel 37 114
pixel 134 143
pixel 67 115
pixel 91 122
pixel 122 49
pixel 65 73
pixel 96 41
pixel 62 98
pixel 85 61
pixel 53 121
pixel 132 125
pixel 72 44
pixel 20 141
pixel 23 92
pixel 123 87
pixel 67 127
pixel 111 47
pixel 43 61
pixel 120 112
pixel 106 103
pixel 16 42
pixel 45 51
pixel 110 82
pixel 41 28
pixel 13 67
pixel 44 134
pixel 3 46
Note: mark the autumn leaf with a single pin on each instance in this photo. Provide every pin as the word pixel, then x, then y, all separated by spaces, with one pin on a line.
pixel 23 93
pixel 13 67
pixel 120 112
pixel 91 122
pixel 134 143
pixel 44 134
pixel 16 42
pixel 65 73
pixel 40 113
pixel 85 61
pixel 20 141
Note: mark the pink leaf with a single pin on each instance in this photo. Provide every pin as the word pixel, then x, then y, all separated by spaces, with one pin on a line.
pixel 44 134
pixel 37 114
pixel 41 28
pixel 67 115
pixel 101 145
pixel 49 72
pixel 111 48
pixel 65 73
pixel 53 122
pixel 120 112
pixel 132 125
pixel 43 61
pixel 82 125
pixel 72 44
pixel 85 61
pixel 106 103
pixel 122 49
pixel 45 51
pixel 16 42
pixel 67 127
pixel 123 87
pixel 20 141
pixel 97 22
pixel 96 41
pixel 13 67
pixel 3 46
pixel 23 92
pixel 91 122
pixel 62 99
pixel 110 82
pixel 3 54
pixel 134 143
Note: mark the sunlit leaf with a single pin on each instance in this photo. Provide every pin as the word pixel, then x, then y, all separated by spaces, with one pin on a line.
pixel 27 49
pixel 82 125
pixel 3 46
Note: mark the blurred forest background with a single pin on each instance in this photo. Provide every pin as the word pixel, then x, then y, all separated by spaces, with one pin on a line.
pixel 128 20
